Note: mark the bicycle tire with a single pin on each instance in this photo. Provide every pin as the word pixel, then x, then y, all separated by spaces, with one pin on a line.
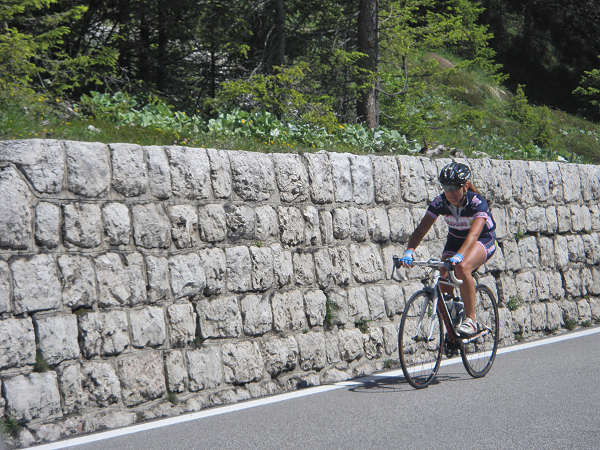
pixel 478 356
pixel 420 349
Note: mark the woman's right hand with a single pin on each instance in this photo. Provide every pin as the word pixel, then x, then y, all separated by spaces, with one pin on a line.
pixel 408 258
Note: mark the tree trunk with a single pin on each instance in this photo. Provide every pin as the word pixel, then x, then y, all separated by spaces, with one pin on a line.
pixel 368 43
pixel 279 47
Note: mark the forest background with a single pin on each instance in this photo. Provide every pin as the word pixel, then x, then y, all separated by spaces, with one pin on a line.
pixel 504 78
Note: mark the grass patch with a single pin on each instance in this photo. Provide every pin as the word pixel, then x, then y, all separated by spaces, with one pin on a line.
pixel 389 364
pixel 41 365
pixel 172 397
pixel 10 426
pixel 513 303
pixel 586 324
pixel 330 309
pixel 362 324
pixel 570 324
pixel 519 337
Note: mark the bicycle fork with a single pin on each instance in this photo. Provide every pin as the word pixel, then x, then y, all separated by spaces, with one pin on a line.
pixel 433 311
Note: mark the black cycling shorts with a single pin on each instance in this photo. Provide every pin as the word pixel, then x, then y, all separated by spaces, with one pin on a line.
pixel 453 243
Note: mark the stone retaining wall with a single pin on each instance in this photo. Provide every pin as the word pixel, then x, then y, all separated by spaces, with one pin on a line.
pixel 140 282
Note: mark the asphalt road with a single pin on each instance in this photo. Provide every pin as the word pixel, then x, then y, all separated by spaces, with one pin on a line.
pixel 542 397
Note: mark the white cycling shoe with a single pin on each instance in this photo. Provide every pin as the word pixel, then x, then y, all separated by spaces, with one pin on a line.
pixel 468 327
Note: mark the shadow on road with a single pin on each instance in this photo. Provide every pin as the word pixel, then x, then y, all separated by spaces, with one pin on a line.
pixel 383 384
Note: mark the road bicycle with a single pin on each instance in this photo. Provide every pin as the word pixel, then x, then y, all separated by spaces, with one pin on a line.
pixel 429 322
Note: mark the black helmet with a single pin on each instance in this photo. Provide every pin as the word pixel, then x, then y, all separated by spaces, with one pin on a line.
pixel 454 174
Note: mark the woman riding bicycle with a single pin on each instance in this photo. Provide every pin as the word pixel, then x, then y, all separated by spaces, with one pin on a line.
pixel 471 239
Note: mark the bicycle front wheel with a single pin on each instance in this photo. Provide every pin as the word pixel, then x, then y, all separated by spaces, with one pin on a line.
pixel 478 354
pixel 420 340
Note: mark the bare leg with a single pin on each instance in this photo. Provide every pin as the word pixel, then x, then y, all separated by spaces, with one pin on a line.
pixel 464 271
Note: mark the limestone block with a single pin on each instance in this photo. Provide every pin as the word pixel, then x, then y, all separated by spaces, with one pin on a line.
pixel 176 371
pixel 262 268
pixel 412 179
pixel 342 176
pixel 101 384
pixel 288 311
pixel 378 224
pixel 373 343
pixel 542 284
pixel 511 254
pixel 522 320
pixel 158 287
pixel 184 225
pixel 159 172
pixel 401 224
pixel 363 188
pixel 47 225
pixel 291 226
pixel 591 246
pixel 323 268
pixel 551 220
pixel 128 169
pixel 505 322
pixel 540 184
pixel 321 178
pixel 15 211
pixel 148 327
pixel 584 310
pixel 253 176
pixel 526 286
pixel 390 338
pixel 573 282
pixel 41 160
pixel 17 343
pixel 563 214
pixel 386 179
pixel 538 317
pixel 71 388
pixel 214 264
pixel 337 307
pixel 590 182
pixel 576 248
pixel 142 377
pixel 88 168
pixel 518 220
pixel 393 298
pixel 536 218
pixel 332 347
pixel 280 355
pixel 151 226
pixel 569 310
pixel 32 396
pixel 358 224
pixel 121 279
pixel 595 307
pixel 291 176
pixel 103 333
pixel 239 269
pixel 326 227
pixel 367 265
pixel 267 226
pixel 256 314
pixel 117 223
pixel 304 268
pixel 205 368
pixel 212 221
pixel 571 182
pixel 350 344
pixel 315 306
pixel 587 281
pixel 107 420
pixel 553 316
pixel 313 354
pixel 83 224
pixel 312 231
pixel 182 324
pixel 187 275
pixel 57 337
pixel 242 362
pixel 241 222
pixel 555 283
pixel 35 284
pixel 561 251
pixel 282 265
pixel 376 302
pixel 555 180
pixel 580 218
pixel 5 288
pixel 340 261
pixel 507 288
pixel 190 172
pixel 358 307
pixel 594 285
pixel 219 317
pixel 521 183
pixel 499 184
pixel 529 252
pixel 220 172
pixel 546 246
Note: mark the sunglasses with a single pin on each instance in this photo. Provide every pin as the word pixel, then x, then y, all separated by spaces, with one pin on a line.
pixel 451 187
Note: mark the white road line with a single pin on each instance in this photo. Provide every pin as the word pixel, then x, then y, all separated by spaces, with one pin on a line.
pixel 284 397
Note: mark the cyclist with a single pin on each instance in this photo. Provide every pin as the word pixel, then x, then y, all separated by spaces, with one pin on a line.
pixel 471 239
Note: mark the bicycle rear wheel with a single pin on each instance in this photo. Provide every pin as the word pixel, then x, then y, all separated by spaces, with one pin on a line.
pixel 479 354
pixel 420 340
